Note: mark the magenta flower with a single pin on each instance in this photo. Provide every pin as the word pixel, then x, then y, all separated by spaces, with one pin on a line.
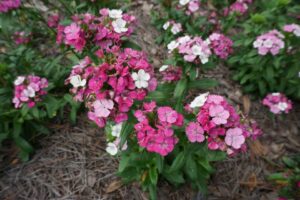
pixel 7 5
pixel 167 114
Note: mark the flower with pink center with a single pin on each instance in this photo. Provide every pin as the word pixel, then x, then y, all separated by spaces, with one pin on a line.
pixel 167 114
pixel 195 132
pixel 235 138
pixel 292 28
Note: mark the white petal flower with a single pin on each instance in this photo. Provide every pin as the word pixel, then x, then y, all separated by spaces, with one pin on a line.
pixel 184 2
pixel 199 101
pixel 29 92
pixel 141 79
pixel 77 82
pixel 163 68
pixel 19 80
pixel 282 106
pixel 275 94
pixel 119 26
pixel 175 29
pixel 257 43
pixel 116 130
pixel 172 45
pixel 115 14
pixel 268 43
pixel 112 149
pixel 204 59
pixel 184 39
pixel 197 50
pixel 166 25
pixel 297 32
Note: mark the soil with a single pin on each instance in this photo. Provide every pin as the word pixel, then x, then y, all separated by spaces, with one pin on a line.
pixel 73 164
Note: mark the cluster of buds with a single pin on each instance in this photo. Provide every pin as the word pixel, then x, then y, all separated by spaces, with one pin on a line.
pixel 29 90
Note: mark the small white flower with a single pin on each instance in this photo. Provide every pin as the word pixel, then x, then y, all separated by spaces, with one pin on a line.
pixel 77 82
pixel 197 50
pixel 119 26
pixel 184 39
pixel 115 14
pixel 275 94
pixel 29 92
pixel 19 80
pixel 172 45
pixel 258 43
pixel 111 148
pixel 297 32
pixel 268 43
pixel 166 25
pixel 203 58
pixel 199 101
pixel 163 68
pixel 141 79
pixel 175 29
pixel 184 2
pixel 116 130
pixel 282 106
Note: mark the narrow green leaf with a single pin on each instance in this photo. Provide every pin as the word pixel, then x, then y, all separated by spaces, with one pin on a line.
pixel 178 162
pixel 202 84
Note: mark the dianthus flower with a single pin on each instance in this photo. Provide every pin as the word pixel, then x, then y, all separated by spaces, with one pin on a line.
pixel 270 42
pixel 53 20
pixel 219 123
pixel 240 7
pixel 190 6
pixel 193 49
pixel 21 37
pixel 292 28
pixel 29 90
pixel 221 45
pixel 278 103
pixel 113 146
pixel 106 31
pixel 174 27
pixel 110 89
pixel 154 128
pixel 170 73
pixel 7 5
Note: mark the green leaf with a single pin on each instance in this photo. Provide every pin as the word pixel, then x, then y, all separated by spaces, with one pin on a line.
pixel 124 162
pixel 178 162
pixel 23 144
pixel 174 177
pixel 216 155
pixel 132 45
pixel 180 88
pixel 289 162
pixel 127 128
pixel 276 176
pixel 202 84
pixel 3 136
pixel 159 160
pixel 190 168
pixel 153 175
pixel 152 192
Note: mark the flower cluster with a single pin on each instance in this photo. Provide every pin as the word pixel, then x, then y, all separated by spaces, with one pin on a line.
pixel 270 42
pixel 193 49
pixel 29 90
pixel 110 88
pixel 277 103
pixel 7 5
pixel 53 20
pixel 174 27
pixel 191 6
pixel 105 31
pixel 170 73
pixel 221 45
pixel 219 123
pixel 113 147
pixel 240 7
pixel 292 28
pixel 154 128
pixel 21 37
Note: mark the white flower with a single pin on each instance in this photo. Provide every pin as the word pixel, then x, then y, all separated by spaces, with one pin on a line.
pixel 19 80
pixel 199 101
pixel 141 78
pixel 258 43
pixel 119 25
pixel 115 14
pixel 175 29
pixel 297 32
pixel 203 58
pixel 163 68
pixel 184 2
pixel 166 25
pixel 275 94
pixel 111 148
pixel 116 130
pixel 77 82
pixel 197 50
pixel 172 45
pixel 29 92
pixel 184 39
pixel 268 43
pixel 282 106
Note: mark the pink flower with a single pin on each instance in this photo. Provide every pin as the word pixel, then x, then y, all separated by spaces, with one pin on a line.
pixel 195 132
pixel 219 114
pixel 53 20
pixel 221 45
pixel 235 138
pixel 167 114
pixel 102 107
pixel 292 28
pixel 278 103
pixel 7 5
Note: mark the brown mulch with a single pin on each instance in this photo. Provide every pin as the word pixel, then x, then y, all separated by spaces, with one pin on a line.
pixel 73 164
